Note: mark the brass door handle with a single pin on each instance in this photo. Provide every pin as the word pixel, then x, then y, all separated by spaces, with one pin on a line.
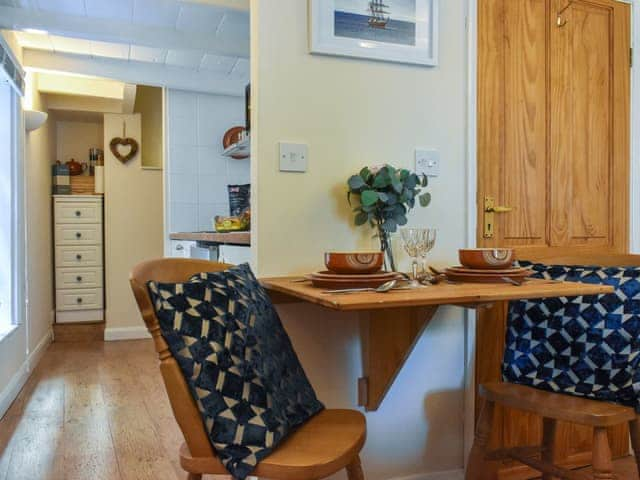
pixel 490 209
pixel 499 209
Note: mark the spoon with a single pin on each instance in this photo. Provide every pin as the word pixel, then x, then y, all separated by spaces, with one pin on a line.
pixel 384 288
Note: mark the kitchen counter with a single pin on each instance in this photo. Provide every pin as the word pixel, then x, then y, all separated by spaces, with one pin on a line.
pixel 231 238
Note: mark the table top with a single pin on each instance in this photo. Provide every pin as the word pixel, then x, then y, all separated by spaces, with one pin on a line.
pixel 441 294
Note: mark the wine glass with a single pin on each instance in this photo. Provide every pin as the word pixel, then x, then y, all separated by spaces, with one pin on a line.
pixel 412 239
pixel 427 244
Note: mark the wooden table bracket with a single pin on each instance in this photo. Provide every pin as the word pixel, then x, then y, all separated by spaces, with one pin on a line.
pixel 388 338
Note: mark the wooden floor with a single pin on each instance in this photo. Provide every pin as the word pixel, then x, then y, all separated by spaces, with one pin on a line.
pixel 98 411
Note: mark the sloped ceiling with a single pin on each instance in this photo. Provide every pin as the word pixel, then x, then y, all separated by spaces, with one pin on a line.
pixel 206 39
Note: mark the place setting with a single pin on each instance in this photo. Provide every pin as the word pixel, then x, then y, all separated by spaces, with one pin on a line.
pixel 488 265
pixel 364 271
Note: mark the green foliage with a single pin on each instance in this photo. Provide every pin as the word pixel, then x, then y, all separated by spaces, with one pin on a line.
pixel 386 196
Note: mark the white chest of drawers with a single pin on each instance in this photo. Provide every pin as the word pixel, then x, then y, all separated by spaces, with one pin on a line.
pixel 79 253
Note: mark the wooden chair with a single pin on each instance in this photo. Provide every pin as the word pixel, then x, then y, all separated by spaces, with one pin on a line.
pixel 329 442
pixel 552 407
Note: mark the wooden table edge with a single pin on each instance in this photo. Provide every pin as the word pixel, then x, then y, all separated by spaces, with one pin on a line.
pixel 381 301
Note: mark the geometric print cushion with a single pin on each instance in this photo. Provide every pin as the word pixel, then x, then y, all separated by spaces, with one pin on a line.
pixel 238 361
pixel 587 346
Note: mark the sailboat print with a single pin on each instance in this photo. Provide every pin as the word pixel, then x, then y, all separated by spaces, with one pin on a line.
pixel 379 17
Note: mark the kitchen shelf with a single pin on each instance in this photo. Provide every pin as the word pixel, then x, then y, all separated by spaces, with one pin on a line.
pixel 240 148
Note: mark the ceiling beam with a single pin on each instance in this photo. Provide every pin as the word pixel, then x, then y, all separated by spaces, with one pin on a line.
pixel 120 32
pixel 80 85
pixel 236 4
pixel 139 73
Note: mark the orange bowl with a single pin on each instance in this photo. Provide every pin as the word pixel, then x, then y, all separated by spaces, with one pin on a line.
pixel 354 262
pixel 487 258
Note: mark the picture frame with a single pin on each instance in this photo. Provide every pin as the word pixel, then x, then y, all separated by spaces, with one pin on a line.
pixel 401 31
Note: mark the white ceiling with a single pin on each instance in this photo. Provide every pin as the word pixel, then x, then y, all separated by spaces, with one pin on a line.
pixel 192 35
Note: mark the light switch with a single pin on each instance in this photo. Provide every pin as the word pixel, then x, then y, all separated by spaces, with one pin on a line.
pixel 428 163
pixel 293 157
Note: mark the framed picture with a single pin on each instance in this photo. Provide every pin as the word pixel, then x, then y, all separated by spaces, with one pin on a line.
pixel 404 31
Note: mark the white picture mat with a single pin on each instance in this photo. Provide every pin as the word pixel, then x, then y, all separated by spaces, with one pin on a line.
pixel 324 41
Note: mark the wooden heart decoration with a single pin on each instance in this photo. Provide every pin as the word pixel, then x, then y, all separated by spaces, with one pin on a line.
pixel 124 142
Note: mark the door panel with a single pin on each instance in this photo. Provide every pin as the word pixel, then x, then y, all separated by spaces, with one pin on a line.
pixel 581 124
pixel 523 163
pixel 553 143
pixel 513 100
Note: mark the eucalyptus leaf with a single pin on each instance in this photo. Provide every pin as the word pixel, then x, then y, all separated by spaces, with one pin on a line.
pixel 390 225
pixel 356 182
pixel 425 199
pixel 411 182
pixel 383 197
pixel 369 197
pixel 425 181
pixel 381 181
pixel 397 185
pixel 361 218
pixel 401 220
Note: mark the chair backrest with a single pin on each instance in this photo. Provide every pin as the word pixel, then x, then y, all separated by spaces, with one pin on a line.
pixel 185 410
pixel 603 259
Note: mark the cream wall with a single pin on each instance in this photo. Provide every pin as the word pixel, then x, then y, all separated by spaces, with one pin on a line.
pixel 353 113
pixel 74 139
pixel 38 211
pixel 133 227
pixel 149 105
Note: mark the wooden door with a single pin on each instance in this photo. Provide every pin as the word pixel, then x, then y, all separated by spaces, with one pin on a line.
pixel 553 145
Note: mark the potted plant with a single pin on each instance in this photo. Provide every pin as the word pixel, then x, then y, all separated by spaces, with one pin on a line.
pixel 386 194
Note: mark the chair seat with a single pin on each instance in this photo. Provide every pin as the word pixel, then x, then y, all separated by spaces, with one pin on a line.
pixel 557 406
pixel 321 447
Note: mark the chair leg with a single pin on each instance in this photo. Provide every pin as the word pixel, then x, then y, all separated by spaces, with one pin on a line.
pixel 354 469
pixel 602 461
pixel 478 468
pixel 549 444
pixel 634 430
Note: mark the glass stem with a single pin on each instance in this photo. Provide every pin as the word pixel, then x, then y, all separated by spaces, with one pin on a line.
pixel 414 267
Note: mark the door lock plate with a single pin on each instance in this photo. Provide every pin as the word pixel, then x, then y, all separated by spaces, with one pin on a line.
pixel 489 217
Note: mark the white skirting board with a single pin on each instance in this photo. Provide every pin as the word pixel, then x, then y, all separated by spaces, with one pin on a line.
pixel 451 475
pixel 12 389
pixel 125 333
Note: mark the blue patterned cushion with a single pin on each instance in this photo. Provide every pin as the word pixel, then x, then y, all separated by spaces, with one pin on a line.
pixel 587 346
pixel 238 361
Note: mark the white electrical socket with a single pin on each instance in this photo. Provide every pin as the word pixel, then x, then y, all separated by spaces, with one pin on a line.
pixel 294 157
pixel 428 163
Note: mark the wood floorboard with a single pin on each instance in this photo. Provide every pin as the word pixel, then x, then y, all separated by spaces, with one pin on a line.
pixel 99 411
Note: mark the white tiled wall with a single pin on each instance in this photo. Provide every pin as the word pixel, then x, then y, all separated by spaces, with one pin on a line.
pixel 197 174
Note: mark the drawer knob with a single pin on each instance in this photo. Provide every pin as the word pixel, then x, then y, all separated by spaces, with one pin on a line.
pixel 79 278
pixel 79 299
pixel 78 213
pixel 78 257
pixel 78 235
